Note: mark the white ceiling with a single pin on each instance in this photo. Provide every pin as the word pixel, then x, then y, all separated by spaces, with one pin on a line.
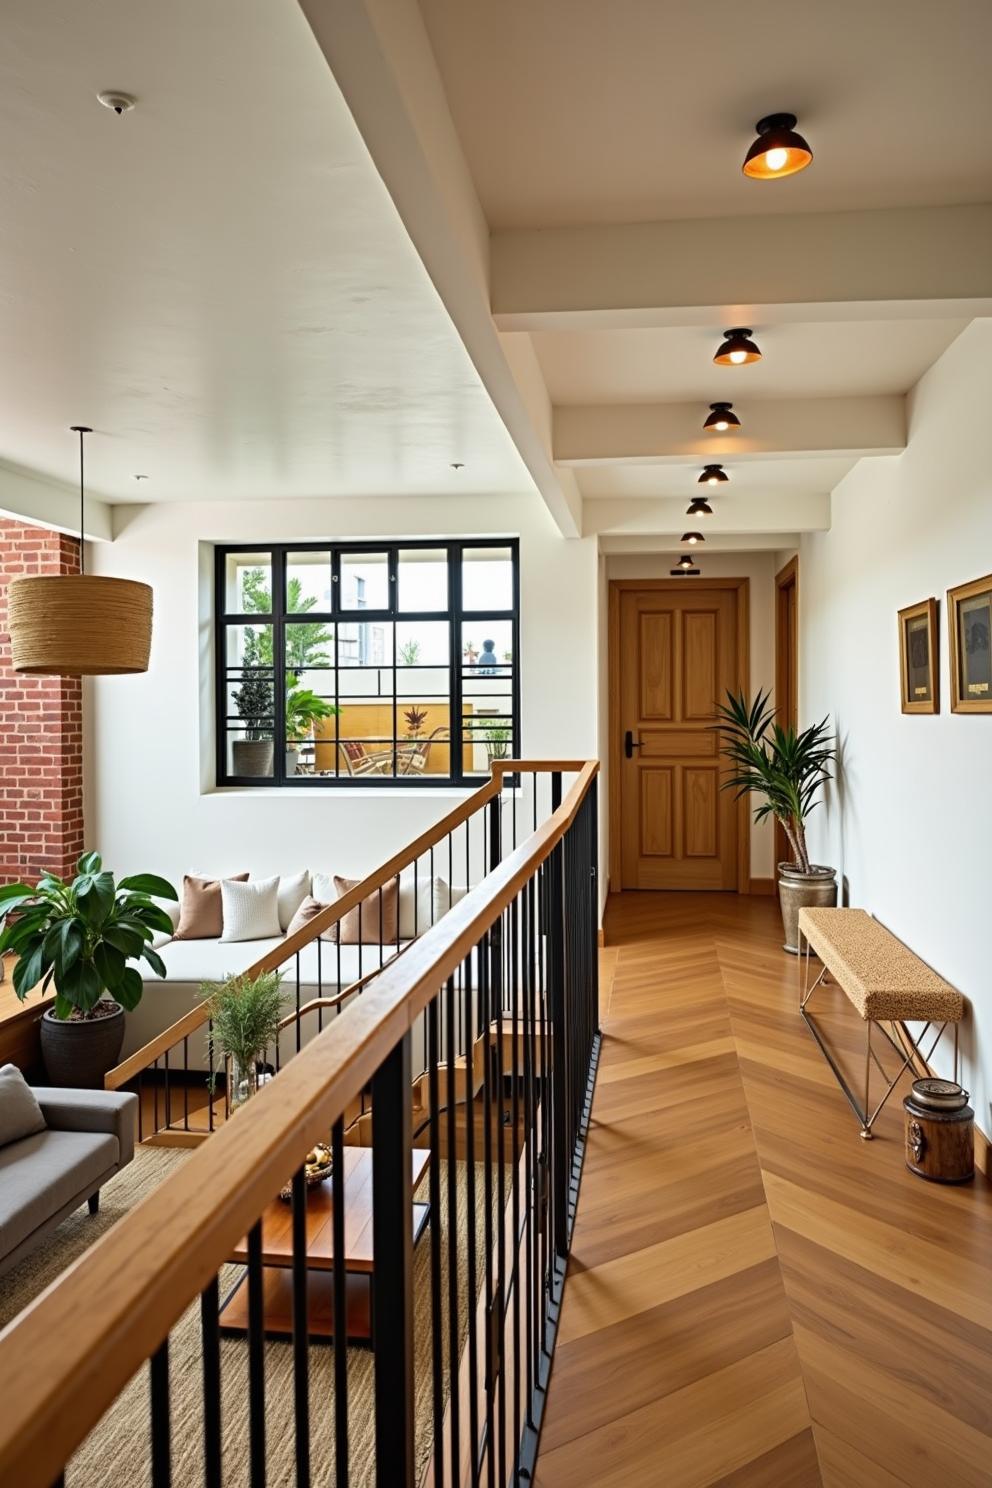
pixel 676 364
pixel 579 111
pixel 745 477
pixel 218 282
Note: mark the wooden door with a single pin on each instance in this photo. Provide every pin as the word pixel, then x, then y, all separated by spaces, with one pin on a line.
pixel 786 669
pixel 678 654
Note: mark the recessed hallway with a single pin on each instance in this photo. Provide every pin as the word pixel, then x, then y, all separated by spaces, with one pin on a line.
pixel 755 1296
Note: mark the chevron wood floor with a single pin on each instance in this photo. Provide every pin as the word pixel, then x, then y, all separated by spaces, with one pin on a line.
pixel 756 1297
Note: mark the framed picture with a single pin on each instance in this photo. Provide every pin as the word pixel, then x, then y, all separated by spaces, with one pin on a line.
pixel 918 664
pixel 969 620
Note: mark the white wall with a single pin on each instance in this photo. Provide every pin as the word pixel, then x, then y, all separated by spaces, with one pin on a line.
pixel 909 823
pixel 760 568
pixel 149 800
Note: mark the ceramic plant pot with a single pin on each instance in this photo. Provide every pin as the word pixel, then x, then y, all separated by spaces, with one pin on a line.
pixel 797 890
pixel 253 757
pixel 79 1052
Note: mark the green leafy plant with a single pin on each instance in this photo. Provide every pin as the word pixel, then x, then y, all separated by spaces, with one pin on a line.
pixel 82 934
pixel 409 653
pixel 786 768
pixel 244 1015
pixel 253 700
pixel 497 738
pixel 305 639
pixel 303 709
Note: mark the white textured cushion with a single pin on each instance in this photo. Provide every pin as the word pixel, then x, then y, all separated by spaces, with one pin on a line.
pixel 293 889
pixel 20 1113
pixel 446 896
pixel 251 910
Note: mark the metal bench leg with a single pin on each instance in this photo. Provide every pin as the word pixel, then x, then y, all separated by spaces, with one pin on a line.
pixel 866 1131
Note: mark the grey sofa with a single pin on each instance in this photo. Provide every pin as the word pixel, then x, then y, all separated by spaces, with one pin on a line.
pixel 89 1136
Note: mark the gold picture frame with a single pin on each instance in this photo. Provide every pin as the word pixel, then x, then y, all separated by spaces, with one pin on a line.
pixel 919 669
pixel 969 624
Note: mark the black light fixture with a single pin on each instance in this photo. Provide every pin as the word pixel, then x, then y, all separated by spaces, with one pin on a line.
pixel 713 475
pixel 737 349
pixel 778 150
pixel 684 567
pixel 699 507
pixel 721 418
pixel 692 538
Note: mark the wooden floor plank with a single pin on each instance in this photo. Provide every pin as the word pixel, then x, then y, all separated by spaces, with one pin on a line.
pixel 756 1297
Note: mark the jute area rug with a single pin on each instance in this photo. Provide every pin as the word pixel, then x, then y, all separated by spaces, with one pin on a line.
pixel 116 1454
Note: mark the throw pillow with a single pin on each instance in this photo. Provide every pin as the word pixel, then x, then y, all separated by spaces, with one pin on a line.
pixel 201 915
pixel 446 896
pixel 20 1113
pixel 305 914
pixel 250 910
pixel 379 915
pixel 293 889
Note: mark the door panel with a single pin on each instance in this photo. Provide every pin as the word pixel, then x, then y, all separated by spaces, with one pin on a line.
pixel 655 654
pixel 677 655
pixel 657 827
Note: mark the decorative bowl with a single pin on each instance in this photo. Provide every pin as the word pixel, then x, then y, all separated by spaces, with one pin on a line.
pixel 316 1169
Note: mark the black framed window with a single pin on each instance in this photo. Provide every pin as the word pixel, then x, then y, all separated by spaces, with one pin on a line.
pixel 372 663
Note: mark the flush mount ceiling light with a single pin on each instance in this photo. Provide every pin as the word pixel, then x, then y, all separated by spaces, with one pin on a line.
pixel 121 103
pixel 721 418
pixel 79 625
pixel 713 475
pixel 699 507
pixel 684 567
pixel 692 538
pixel 778 150
pixel 737 349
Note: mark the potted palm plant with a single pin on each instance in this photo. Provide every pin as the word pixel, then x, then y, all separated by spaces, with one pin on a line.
pixel 303 709
pixel 252 755
pixel 244 1014
pixel 788 770
pixel 80 937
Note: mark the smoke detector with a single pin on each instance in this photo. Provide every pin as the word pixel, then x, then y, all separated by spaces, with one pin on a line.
pixel 121 103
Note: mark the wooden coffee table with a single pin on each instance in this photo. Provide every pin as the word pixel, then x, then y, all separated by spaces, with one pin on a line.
pixel 359 1259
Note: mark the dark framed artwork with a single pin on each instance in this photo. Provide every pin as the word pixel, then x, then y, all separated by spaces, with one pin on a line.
pixel 918 653
pixel 969 620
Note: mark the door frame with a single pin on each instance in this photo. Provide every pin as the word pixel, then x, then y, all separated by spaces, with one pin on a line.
pixel 616 588
pixel 787 578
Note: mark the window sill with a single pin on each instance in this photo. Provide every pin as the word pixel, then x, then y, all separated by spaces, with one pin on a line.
pixel 363 793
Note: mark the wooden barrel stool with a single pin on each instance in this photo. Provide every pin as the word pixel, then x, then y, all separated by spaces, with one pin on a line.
pixel 940 1132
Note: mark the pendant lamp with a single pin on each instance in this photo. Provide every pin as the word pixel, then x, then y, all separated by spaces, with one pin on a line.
pixel 79 625
pixel 778 150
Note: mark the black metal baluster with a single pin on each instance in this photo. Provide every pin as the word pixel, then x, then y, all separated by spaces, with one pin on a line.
pixel 256 1357
pixel 530 1167
pixel 141 1105
pixel 500 1303
pixel 299 1031
pixel 212 1076
pixel 339 1283
pixel 320 982
pixel 155 1093
pixel 186 1083
pixel 434 1182
pixel 210 1350
pixel 514 973
pixel 451 1100
pixel 168 1093
pixel 301 1332
pixel 392 1277
pixel 161 1424
pixel 470 1263
pixel 492 1332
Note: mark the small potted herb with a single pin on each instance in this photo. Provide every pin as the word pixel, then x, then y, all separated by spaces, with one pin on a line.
pixel 80 937
pixel 244 1014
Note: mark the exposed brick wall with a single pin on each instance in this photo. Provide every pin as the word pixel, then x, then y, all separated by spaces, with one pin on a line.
pixel 41 730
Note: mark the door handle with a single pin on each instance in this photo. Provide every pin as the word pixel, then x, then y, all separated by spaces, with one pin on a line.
pixel 630 744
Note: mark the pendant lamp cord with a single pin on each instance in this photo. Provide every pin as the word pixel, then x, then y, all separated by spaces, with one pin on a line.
pixel 82 431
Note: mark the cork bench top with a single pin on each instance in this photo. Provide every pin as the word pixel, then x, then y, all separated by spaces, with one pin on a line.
pixel 880 975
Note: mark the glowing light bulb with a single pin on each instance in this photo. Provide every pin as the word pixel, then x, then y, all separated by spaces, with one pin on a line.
pixel 738 356
pixel 722 426
pixel 692 541
pixel 776 159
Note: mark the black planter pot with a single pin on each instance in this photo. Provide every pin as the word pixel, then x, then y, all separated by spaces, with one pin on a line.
pixel 78 1054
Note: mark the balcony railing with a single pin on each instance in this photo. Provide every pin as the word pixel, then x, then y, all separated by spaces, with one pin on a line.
pixel 396 1324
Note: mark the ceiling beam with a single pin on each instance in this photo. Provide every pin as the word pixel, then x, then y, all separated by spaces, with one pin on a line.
pixel 784 512
pixel 381 58
pixel 653 433
pixel 875 265
pixel 48 503
pixel 751 542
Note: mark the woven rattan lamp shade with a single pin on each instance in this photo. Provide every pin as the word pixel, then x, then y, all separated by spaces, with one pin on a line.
pixel 79 625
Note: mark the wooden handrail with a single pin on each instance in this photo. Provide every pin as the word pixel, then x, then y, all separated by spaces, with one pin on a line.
pixel 146 1056
pixel 67 1357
